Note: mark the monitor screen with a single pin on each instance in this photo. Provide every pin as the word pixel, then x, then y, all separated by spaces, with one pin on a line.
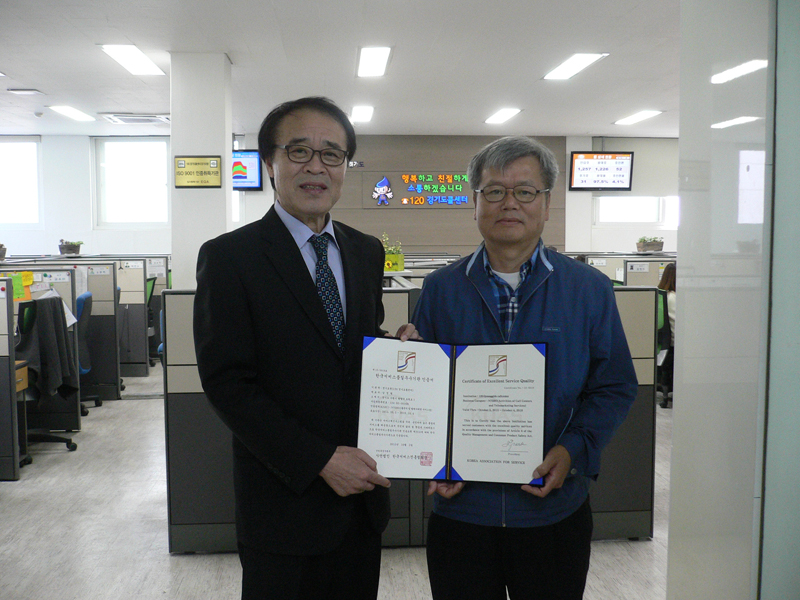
pixel 246 170
pixel 601 171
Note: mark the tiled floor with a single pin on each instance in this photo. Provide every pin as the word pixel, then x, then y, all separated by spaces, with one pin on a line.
pixel 92 524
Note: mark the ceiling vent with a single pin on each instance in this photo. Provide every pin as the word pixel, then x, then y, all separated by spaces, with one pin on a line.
pixel 132 119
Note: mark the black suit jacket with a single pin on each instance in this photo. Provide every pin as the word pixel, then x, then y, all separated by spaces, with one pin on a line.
pixel 272 370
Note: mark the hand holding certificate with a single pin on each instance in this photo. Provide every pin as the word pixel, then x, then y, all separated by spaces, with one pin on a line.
pixel 453 413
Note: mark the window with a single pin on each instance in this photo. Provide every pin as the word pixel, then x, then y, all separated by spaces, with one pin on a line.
pixel 131 182
pixel 661 212
pixel 19 181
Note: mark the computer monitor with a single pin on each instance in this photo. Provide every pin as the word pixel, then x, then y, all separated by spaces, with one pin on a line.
pixel 246 173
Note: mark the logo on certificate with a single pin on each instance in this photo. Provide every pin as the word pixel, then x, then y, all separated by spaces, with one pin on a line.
pixel 497 365
pixel 406 362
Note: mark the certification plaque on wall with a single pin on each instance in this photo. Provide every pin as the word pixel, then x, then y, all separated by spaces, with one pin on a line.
pixel 198 171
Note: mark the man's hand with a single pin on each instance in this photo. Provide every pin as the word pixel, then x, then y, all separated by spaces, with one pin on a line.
pixel 407 332
pixel 554 469
pixel 446 489
pixel 352 471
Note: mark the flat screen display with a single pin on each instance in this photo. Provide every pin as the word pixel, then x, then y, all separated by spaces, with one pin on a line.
pixel 247 170
pixel 601 171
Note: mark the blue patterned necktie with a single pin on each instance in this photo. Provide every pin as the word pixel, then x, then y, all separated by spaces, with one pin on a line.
pixel 326 287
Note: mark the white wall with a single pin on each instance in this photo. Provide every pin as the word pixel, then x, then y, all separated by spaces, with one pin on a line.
pixel 655 173
pixel 67 208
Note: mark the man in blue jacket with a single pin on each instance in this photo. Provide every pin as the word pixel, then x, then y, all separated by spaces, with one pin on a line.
pixel 532 542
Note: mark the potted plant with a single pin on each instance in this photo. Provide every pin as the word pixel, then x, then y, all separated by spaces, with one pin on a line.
pixel 65 247
pixel 649 244
pixel 2 251
pixel 395 260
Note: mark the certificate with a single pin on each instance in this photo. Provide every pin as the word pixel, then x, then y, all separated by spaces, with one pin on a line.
pixel 455 413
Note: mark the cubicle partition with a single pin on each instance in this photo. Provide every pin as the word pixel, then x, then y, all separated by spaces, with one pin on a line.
pixel 623 496
pixel 645 271
pixel 199 458
pixel 199 461
pixel 65 415
pixel 9 443
pixel 158 268
pixel 634 269
pixel 100 278
pixel 132 313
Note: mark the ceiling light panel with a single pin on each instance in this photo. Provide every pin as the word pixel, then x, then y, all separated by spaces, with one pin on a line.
pixel 732 122
pixel 502 115
pixel 72 113
pixel 362 114
pixel 637 117
pixel 28 92
pixel 373 61
pixel 573 65
pixel 740 70
pixel 133 59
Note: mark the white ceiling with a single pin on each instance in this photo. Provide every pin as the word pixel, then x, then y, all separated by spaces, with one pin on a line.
pixel 454 62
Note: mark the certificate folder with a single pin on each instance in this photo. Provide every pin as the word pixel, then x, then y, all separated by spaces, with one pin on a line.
pixel 453 413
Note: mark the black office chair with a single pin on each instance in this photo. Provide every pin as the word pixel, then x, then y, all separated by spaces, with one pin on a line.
pixel 83 312
pixel 26 347
pixel 152 341
pixel 120 318
pixel 664 342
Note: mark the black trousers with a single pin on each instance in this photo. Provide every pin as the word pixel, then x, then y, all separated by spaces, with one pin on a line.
pixel 467 561
pixel 351 572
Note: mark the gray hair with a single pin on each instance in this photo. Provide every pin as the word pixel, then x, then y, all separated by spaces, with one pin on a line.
pixel 501 153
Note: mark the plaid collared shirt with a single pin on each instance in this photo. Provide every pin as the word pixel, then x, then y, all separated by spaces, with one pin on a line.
pixel 508 299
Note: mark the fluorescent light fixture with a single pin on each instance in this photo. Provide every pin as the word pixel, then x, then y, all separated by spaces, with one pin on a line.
pixel 20 92
pixel 639 116
pixel 361 114
pixel 133 59
pixel 574 64
pixel 2 74
pixel 373 62
pixel 743 69
pixel 72 113
pixel 732 122
pixel 502 115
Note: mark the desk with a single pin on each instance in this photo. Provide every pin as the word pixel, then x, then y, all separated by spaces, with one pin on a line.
pixel 21 371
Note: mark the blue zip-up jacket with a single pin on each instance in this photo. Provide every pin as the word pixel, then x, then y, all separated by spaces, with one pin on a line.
pixel 590 380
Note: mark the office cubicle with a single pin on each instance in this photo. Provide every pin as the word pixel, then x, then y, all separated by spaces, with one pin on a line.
pixel 132 320
pixel 199 462
pixel 634 269
pixel 99 278
pixel 65 414
pixel 200 503
pixel 623 496
pixel 9 442
pixel 645 271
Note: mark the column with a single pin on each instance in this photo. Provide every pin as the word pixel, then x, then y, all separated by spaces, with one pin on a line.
pixel 200 107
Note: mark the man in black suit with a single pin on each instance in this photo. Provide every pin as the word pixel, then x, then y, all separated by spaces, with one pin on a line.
pixel 310 506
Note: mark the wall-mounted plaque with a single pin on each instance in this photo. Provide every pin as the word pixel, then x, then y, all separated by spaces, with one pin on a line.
pixel 198 171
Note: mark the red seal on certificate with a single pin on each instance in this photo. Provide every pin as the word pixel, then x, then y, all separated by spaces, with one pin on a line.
pixel 425 459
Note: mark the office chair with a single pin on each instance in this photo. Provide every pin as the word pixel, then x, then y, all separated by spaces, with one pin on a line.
pixel 664 342
pixel 120 322
pixel 26 330
pixel 83 312
pixel 151 329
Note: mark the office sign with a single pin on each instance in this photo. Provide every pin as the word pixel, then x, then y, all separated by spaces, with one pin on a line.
pixel 198 171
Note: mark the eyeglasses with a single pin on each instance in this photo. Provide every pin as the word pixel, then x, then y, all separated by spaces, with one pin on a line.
pixel 332 157
pixel 523 193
